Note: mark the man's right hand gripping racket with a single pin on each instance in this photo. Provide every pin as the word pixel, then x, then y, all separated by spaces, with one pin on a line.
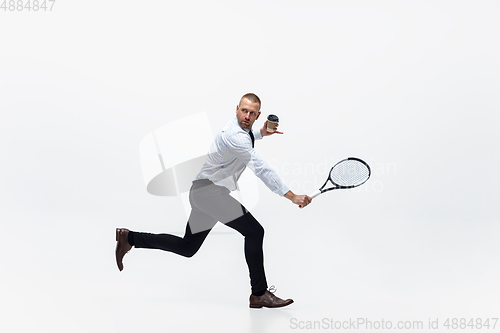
pixel 347 173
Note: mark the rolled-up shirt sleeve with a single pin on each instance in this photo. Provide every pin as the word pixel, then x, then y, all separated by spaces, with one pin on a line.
pixel 243 151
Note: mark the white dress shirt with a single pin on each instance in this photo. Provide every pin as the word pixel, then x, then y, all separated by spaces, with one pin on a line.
pixel 228 155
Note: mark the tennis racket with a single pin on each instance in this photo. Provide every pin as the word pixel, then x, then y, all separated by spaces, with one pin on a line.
pixel 347 173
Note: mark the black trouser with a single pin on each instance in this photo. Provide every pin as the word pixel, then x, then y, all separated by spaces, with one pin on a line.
pixel 211 203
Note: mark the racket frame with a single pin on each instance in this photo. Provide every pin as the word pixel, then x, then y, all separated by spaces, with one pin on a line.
pixel 337 186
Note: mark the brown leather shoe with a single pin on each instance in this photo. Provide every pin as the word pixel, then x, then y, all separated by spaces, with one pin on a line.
pixel 268 300
pixel 122 246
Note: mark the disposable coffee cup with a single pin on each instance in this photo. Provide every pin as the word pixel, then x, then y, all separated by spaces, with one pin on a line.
pixel 272 123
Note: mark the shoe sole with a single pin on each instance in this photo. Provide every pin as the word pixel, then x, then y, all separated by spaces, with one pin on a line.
pixel 258 306
pixel 118 230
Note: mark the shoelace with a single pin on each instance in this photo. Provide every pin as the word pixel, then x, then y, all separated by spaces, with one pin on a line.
pixel 272 289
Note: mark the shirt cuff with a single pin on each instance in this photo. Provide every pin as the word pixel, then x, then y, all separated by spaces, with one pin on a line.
pixel 256 134
pixel 282 191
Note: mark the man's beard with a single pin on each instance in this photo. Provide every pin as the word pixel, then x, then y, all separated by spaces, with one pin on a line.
pixel 246 126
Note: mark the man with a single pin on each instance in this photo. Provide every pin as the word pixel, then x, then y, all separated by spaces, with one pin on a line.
pixel 231 151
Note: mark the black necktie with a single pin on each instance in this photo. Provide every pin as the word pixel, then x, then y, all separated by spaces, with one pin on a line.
pixel 252 137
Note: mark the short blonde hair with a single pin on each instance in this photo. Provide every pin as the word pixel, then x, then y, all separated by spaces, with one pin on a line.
pixel 252 98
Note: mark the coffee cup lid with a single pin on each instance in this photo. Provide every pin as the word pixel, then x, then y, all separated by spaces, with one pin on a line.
pixel 272 117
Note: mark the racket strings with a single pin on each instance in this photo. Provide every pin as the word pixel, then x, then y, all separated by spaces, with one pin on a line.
pixel 350 173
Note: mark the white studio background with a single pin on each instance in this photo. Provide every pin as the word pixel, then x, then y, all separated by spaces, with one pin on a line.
pixel 409 86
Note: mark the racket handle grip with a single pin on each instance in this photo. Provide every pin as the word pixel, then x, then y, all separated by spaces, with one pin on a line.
pixel 312 195
pixel 315 194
